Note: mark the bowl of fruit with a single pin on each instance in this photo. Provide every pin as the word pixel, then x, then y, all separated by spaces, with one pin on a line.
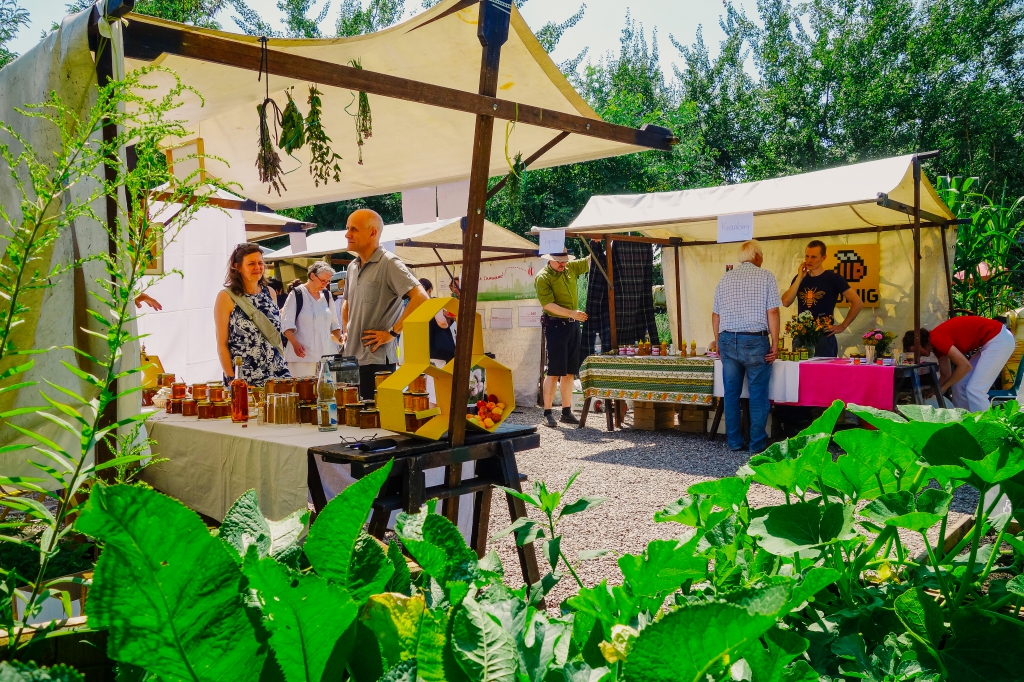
pixel 489 414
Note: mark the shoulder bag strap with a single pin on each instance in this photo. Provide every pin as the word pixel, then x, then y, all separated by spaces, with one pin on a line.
pixel 262 322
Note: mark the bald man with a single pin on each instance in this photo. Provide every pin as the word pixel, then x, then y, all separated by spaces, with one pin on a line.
pixel 372 314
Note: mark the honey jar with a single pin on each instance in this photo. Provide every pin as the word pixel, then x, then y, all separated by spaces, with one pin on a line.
pixel 179 390
pixel 189 407
pixel 407 398
pixel 204 409
pixel 379 377
pixel 411 422
pixel 420 402
pixel 200 391
pixel 419 384
pixel 222 410
pixel 347 394
pixel 164 379
pixel 306 415
pixel 352 411
pixel 174 405
pixel 215 392
pixel 280 385
pixel 369 419
pixel 306 388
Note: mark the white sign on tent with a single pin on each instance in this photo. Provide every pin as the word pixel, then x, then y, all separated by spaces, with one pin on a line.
pixel 452 200
pixel 738 227
pixel 297 240
pixel 552 241
pixel 419 206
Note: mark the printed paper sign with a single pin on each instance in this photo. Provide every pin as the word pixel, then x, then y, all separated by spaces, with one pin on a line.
pixel 738 227
pixel 297 240
pixel 552 241
pixel 859 264
pixel 529 315
pixel 501 318
pixel 452 200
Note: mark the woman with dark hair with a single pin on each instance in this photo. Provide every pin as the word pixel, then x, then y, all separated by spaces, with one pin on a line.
pixel 248 321
pixel 278 290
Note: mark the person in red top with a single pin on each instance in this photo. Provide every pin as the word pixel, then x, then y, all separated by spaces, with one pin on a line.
pixel 952 341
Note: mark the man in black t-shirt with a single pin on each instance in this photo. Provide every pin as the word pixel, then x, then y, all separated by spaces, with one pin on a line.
pixel 818 290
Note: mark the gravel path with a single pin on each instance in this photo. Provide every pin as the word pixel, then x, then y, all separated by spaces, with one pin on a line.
pixel 640 472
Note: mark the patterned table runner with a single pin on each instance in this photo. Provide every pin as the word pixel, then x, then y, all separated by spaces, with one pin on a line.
pixel 658 379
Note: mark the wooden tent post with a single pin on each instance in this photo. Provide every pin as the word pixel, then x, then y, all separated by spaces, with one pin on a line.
pixel 492 30
pixel 949 275
pixel 679 302
pixel 917 260
pixel 611 291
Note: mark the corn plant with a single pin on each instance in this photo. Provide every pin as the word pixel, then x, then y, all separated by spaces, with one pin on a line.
pixel 992 242
pixel 82 418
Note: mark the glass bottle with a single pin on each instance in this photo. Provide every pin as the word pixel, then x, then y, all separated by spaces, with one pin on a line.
pixel 326 400
pixel 239 395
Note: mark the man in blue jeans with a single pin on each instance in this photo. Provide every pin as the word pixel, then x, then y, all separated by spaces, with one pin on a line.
pixel 745 318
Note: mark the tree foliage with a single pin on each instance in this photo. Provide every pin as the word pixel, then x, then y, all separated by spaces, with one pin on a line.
pixel 12 18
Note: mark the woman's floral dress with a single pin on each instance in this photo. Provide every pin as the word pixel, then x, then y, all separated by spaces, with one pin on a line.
pixel 260 360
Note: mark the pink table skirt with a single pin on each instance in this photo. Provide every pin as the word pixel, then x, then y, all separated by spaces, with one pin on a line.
pixel 868 385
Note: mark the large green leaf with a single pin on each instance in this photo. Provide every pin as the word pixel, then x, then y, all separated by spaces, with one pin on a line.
pixel 918 611
pixel 437 545
pixel 689 510
pixel 791 528
pixel 693 641
pixel 401 580
pixel 769 665
pixel 483 649
pixel 166 591
pixel 245 525
pixel 306 616
pixel 371 569
pixel 407 630
pixel 900 509
pixel 932 415
pixel 1005 462
pixel 856 479
pixel 332 539
pixel 578 671
pixel 984 647
pixel 609 605
pixel 889 506
pixel 725 493
pixel 543 645
pixel 663 567
pixel 826 423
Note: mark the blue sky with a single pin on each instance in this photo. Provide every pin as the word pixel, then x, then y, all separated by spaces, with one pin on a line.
pixel 599 29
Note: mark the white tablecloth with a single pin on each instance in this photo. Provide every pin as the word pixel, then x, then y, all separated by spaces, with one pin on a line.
pixel 213 461
pixel 784 386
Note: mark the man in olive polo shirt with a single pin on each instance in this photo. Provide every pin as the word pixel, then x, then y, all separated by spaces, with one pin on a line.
pixel 556 291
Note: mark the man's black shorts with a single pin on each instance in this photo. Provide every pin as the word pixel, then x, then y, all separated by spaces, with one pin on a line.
pixel 563 344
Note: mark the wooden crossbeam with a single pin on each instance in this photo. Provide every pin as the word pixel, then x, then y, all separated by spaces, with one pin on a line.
pixel 147 41
pixel 885 202
pixel 458 247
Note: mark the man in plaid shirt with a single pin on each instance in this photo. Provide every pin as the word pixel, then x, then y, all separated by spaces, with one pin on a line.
pixel 745 318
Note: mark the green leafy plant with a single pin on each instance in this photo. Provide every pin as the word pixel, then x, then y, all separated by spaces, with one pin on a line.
pixel 293 126
pixel 268 161
pixel 72 425
pixel 364 119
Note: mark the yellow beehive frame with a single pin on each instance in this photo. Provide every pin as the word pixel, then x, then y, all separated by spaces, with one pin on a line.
pixel 416 330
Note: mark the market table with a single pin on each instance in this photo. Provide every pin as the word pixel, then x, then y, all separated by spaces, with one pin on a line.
pixel 673 379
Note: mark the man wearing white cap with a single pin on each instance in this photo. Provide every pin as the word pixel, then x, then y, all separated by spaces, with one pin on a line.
pixel 557 292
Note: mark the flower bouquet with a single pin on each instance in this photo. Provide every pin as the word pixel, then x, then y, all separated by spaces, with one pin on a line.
pixel 807 330
pixel 881 340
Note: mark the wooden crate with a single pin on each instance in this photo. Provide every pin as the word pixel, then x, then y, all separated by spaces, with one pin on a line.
pixel 692 419
pixel 648 416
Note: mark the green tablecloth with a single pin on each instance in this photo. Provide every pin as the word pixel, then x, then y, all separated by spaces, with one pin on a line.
pixel 681 380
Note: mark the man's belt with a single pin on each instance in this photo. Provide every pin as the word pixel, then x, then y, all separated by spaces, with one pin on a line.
pixel 763 332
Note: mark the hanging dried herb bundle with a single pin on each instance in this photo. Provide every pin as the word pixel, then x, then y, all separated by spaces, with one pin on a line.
pixel 268 162
pixel 323 162
pixel 293 127
pixel 364 120
pixel 514 181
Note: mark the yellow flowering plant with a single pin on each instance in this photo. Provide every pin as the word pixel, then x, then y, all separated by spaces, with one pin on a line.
pixel 806 330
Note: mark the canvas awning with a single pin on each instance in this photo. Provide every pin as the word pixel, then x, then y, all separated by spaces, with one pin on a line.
pixel 413 144
pixel 420 241
pixel 259 224
pixel 828 201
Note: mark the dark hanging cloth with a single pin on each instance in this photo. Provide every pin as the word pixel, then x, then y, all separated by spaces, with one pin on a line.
pixel 633 272
pixel 597 307
pixel 633 275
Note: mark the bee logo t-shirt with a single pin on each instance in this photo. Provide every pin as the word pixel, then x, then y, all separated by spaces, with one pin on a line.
pixel 820 294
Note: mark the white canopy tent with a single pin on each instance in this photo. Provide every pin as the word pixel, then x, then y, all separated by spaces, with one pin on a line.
pixel 415 244
pixel 412 145
pixel 863 203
